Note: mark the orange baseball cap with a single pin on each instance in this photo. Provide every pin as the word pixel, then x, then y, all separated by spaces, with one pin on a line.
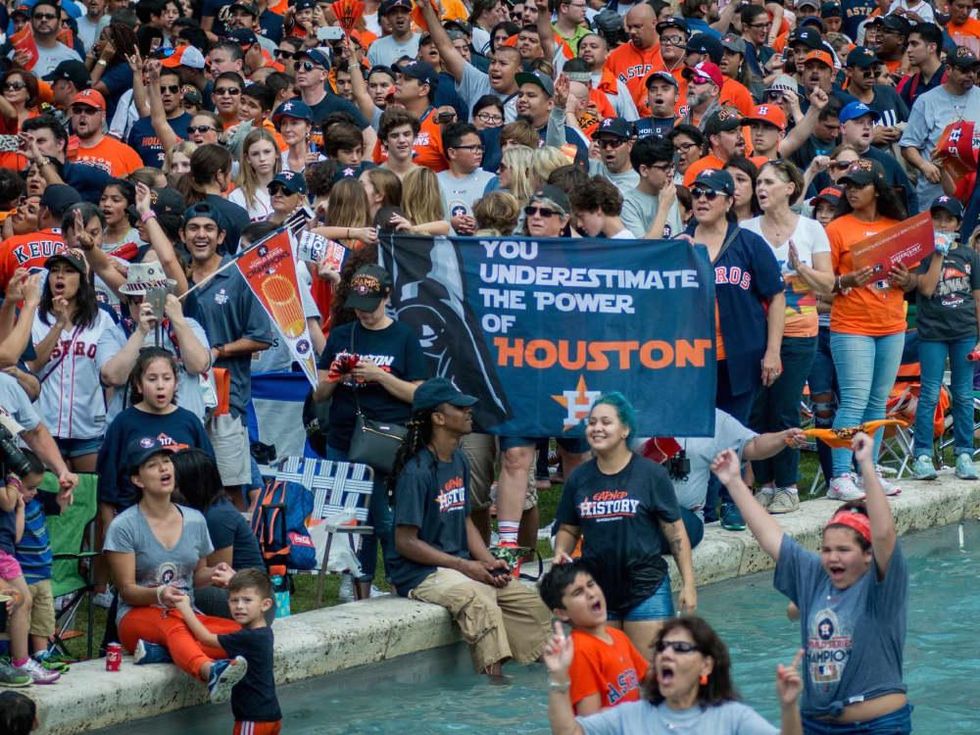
pixel 771 113
pixel 822 56
pixel 90 97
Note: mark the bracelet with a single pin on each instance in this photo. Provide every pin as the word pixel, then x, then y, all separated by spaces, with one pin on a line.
pixel 102 62
pixel 160 589
pixel 147 216
pixel 837 287
pixel 559 687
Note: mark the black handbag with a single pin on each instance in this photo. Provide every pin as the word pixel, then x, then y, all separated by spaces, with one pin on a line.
pixel 374 443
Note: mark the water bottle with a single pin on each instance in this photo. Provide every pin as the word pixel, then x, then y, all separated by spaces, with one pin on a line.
pixel 280 591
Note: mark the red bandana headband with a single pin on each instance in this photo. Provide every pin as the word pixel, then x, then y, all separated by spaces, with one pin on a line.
pixel 854 520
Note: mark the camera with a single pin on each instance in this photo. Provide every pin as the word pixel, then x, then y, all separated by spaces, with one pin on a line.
pixel 12 459
pixel 679 466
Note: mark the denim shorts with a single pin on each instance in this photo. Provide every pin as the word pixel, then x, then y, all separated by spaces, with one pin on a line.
pixel 71 448
pixel 898 722
pixel 658 606
pixel 571 444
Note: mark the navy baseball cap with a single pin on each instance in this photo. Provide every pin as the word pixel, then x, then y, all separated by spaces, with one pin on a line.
pixel 420 70
pixel 734 43
pixel 205 210
pixel 142 449
pixel 319 56
pixel 368 286
pixel 702 43
pixel 538 78
pixel 716 180
pixel 962 58
pixel 672 22
pixel 58 197
pixel 855 110
pixel 291 181
pixel 863 172
pixel 661 76
pixel 436 391
pixel 304 4
pixel 72 257
pixel 167 201
pixel 388 5
pixel 896 23
pixel 73 71
pixel 809 37
pixel 293 108
pixel 861 58
pixel 831 10
pixel 242 36
pixel 247 6
pixel 616 127
pixel 947 204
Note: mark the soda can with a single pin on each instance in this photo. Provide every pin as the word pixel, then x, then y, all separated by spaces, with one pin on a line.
pixel 113 656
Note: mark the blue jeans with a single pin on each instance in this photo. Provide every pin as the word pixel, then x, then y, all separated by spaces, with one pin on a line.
pixel 823 380
pixel 866 369
pixel 898 722
pixel 778 407
pixel 932 359
pixel 379 515
pixel 658 606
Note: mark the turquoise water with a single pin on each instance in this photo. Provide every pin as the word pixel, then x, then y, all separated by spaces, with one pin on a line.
pixel 436 692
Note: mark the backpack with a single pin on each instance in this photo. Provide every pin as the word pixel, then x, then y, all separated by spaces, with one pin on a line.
pixel 279 524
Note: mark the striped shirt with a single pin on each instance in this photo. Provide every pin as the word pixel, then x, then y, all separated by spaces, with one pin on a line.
pixel 33 551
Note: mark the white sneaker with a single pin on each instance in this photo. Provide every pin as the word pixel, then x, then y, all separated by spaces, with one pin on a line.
pixel 38 673
pixel 765 495
pixel 889 488
pixel 844 488
pixel 346 591
pixel 102 599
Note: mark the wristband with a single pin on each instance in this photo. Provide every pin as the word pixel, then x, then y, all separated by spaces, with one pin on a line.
pixel 160 589
pixel 147 216
pixel 102 62
pixel 559 687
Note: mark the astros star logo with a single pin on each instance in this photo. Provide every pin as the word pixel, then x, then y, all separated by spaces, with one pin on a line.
pixel 577 402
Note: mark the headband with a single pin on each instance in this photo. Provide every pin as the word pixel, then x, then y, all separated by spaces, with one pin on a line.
pixel 853 520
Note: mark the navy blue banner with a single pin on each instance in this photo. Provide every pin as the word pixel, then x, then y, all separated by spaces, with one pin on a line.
pixel 539 328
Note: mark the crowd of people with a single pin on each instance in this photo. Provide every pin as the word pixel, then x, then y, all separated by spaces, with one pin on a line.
pixel 144 145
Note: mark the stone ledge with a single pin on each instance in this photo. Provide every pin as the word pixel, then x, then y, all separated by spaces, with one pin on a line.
pixel 332 639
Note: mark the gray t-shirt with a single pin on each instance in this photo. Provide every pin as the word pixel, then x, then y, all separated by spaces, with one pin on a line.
pixel 14 401
pixel 387 49
pixel 129 533
pixel 853 637
pixel 640 209
pixel 460 194
pixel 730 718
pixel 626 179
pixel 475 84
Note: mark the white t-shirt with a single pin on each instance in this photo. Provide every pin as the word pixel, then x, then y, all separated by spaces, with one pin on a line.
pixel 623 234
pixel 262 207
pixel 125 116
pixel 49 58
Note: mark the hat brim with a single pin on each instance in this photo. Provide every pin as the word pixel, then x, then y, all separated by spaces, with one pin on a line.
pixel 870 113
pixel 144 457
pixel 463 400
pixel 861 178
pixel 528 78
pixel 763 120
pixel 64 258
pixel 958 213
pixel 140 289
pixel 363 303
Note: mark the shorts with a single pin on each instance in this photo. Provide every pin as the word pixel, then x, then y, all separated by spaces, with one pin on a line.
pixel 42 611
pixel 246 727
pixel 71 448
pixel 9 567
pixel 658 606
pixel 229 437
pixel 530 497
pixel 571 444
pixel 481 454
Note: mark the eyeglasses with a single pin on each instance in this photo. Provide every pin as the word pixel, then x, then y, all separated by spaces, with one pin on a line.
pixel 676 646
pixel 489 119
pixel 699 192
pixel 759 25
pixel 673 41
pixel 612 143
pixel 45 16
pixel 223 91
pixel 200 129
pixel 14 86
pixel 471 148
pixel 540 212
pixel 684 147
pixel 665 167
pixel 170 88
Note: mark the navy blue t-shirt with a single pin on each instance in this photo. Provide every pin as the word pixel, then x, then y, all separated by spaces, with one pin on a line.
pixel 253 699
pixel 236 220
pixel 227 527
pixel 117 79
pixel 270 26
pixel 143 138
pixel 396 350
pixel 656 126
pixel 8 532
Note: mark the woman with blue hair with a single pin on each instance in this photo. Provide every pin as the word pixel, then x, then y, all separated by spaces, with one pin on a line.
pixel 623 505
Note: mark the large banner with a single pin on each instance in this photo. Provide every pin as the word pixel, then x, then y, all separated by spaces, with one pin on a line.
pixel 537 329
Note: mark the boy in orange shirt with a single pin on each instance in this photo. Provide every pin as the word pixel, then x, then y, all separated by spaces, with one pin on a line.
pixel 606 669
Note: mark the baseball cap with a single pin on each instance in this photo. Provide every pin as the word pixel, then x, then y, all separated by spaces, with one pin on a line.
pixel 296 109
pixel 303 4
pixel 246 6
pixel 947 204
pixel 769 114
pixel 863 172
pixel 829 194
pixel 388 5
pixel 436 391
pixel 142 449
pixel 72 71
pixel 962 58
pixel 725 119
pixel 21 9
pixel 242 36
pixel 861 57
pixel 815 4
pixel 672 22
pixel 420 70
pixel 188 56
pixel 319 56
pixel 71 256
pixel 554 197
pixel 352 172
pixel 822 56
pixel 167 201
pixel 661 76
pixel 58 197
pixel 205 210
pixel 734 43
pixel 705 70
pixel 809 37
pixel 831 10
pixel 536 77
pixel 368 286
pixel 896 23
pixel 813 21
pixel 89 97
pixel 716 180
pixel 293 182
pixel 702 43
pixel 615 127
pixel 855 110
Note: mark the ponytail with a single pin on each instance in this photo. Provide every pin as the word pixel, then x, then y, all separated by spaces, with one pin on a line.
pixel 419 434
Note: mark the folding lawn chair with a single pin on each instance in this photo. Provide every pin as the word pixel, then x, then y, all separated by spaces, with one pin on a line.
pixel 341 495
pixel 72 538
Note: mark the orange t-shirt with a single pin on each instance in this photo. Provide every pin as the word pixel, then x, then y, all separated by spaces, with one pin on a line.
pixel 633 66
pixel 735 94
pixel 428 148
pixel 613 671
pixel 110 155
pixel 28 251
pixel 866 310
pixel 967 34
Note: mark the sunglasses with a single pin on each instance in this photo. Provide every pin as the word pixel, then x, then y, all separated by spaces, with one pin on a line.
pixel 279 190
pixel 200 129
pixel 841 165
pixel 699 192
pixel 540 212
pixel 170 88
pixel 676 646
pixel 610 143
pixel 223 91
pixel 84 110
pixel 14 86
pixel 306 66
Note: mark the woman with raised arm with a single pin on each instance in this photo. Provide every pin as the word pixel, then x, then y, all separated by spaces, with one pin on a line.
pixel 852 599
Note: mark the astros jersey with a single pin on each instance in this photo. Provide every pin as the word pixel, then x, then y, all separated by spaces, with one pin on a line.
pixel 28 251
pixel 427 150
pixel 110 156
pixel 72 403
pixel 632 66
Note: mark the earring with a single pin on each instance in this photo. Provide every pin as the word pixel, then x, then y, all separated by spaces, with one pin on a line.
pixel 703 680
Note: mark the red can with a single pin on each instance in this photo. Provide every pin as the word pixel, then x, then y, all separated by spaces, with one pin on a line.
pixel 113 656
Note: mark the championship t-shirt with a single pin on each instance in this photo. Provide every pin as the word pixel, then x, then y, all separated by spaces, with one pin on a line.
pixel 432 496
pixel 143 138
pixel 109 156
pixel 950 313
pixel 620 516
pixel 611 670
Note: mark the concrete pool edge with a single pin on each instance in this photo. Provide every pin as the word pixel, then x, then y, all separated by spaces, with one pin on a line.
pixel 334 639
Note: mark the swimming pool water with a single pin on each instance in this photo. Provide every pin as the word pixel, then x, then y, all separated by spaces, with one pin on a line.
pixel 437 693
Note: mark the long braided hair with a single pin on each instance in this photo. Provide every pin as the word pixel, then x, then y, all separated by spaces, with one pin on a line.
pixel 419 434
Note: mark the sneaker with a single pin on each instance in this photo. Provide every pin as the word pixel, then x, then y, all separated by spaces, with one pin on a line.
pixel 102 599
pixel 225 674
pixel 14 678
pixel 844 488
pixel 345 593
pixel 923 468
pixel 765 495
pixel 786 500
pixel 511 553
pixel 887 487
pixel 38 673
pixel 964 467
pixel 731 517
pixel 150 653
